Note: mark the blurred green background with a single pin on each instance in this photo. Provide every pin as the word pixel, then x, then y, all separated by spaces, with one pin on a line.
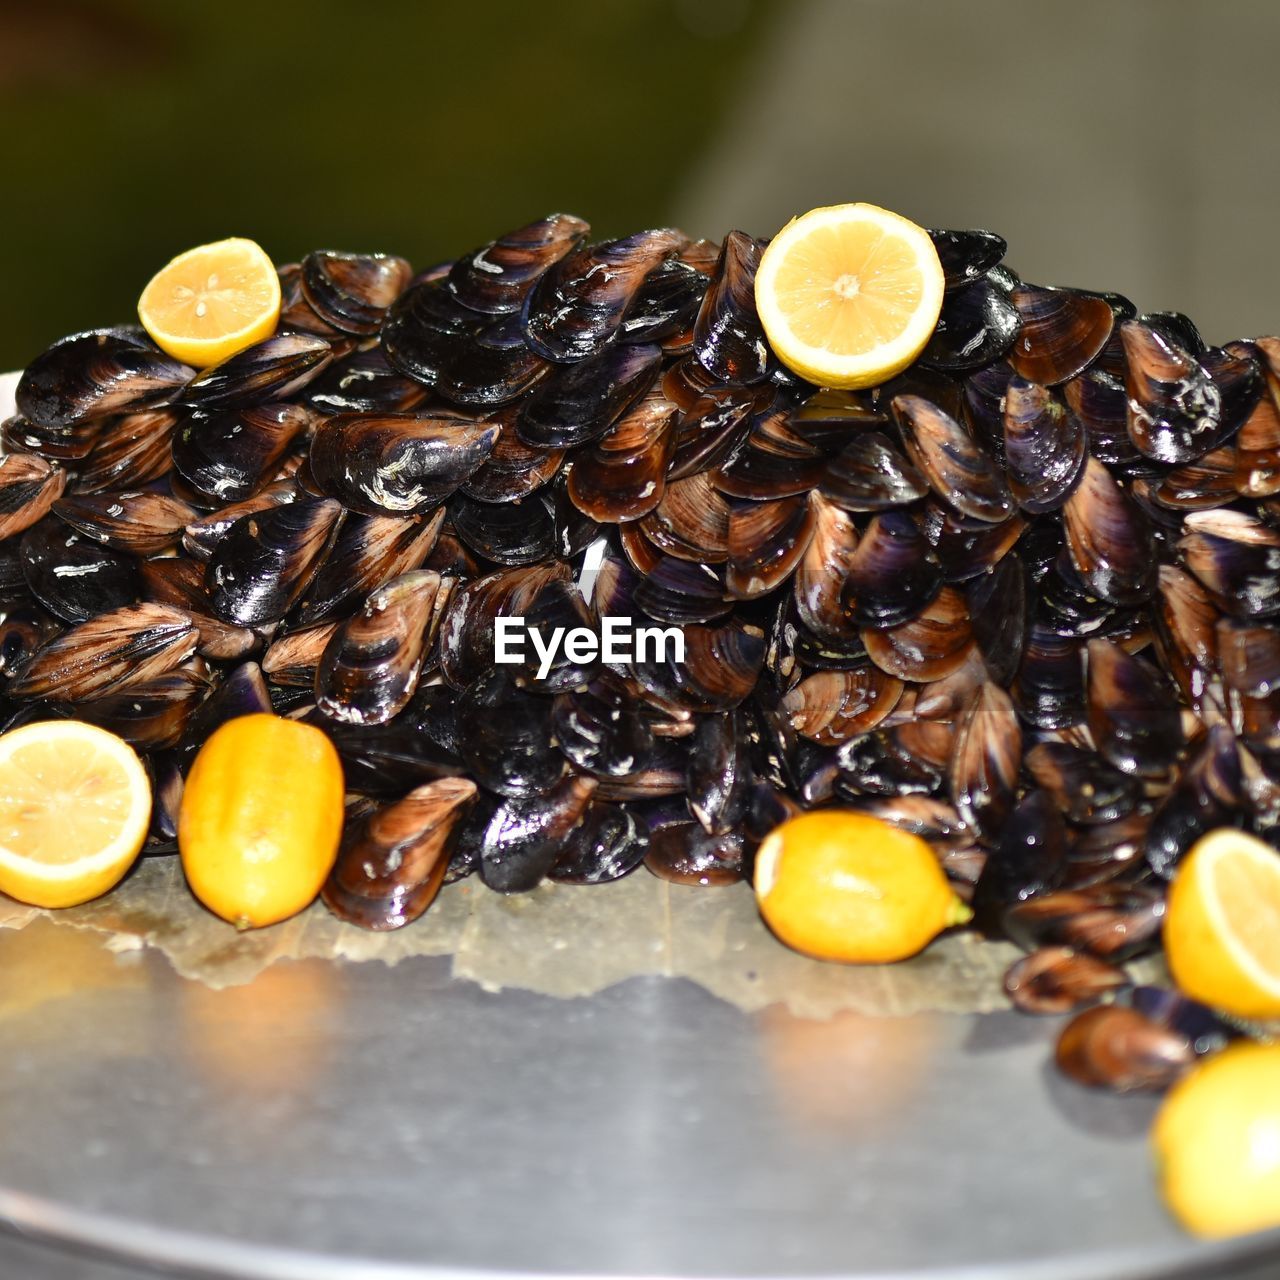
pixel 1121 145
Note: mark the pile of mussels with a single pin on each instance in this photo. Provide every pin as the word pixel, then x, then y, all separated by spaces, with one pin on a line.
pixel 1020 600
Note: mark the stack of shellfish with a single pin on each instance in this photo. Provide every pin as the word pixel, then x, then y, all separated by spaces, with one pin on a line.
pixel 1020 600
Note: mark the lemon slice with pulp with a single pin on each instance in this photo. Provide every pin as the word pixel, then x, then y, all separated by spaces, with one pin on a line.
pixel 1222 924
pixel 849 295
pixel 212 301
pixel 75 804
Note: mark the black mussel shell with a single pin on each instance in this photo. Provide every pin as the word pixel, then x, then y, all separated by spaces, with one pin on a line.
pixel 370 666
pixel 1057 980
pixel 767 540
pixel 818 583
pixel 363 382
pixel 1099 402
pixel 831 707
pixel 771 462
pixel 1112 922
pixel 508 740
pixel 525 836
pixel 179 582
pixel 684 853
pixel 1237 558
pixel 966 256
pixel 228 457
pixel 1132 713
pixel 1257 446
pixel 352 291
pixel 958 470
pixel 998 615
pixel 129 451
pixel 274 369
pixel 658 774
pixel 1085 787
pixel 70 444
pixel 390 759
pixel 397 464
pixel 718 779
pixel 1048 690
pixel 392 863
pixel 728 339
pixel 1208 794
pixel 153 714
pixel 690 522
pixel 1201 485
pixel 493 369
pixel 577 308
pixel 1117 1048
pixel 718 670
pixel 108 654
pixel 681 591
pixel 572 531
pixel 514 469
pixel 600 730
pixel 1029 859
pixel 202 535
pixel 982 774
pixel 869 474
pixel 1249 658
pixel 910 760
pixel 264 562
pixel 140 522
pixel 29 486
pixel 1044 447
pixel 893 572
pixel 1109 538
pixel 1183 620
pixel 497 277
pixel 88 375
pixel 666 307
pixel 709 433
pixel 581 403
pixel 610 843
pixel 509 533
pixel 243 692
pixel 977 325
pixel 1063 332
pixel 1174 406
pixel 964 547
pixel 23 629
pixel 74 577
pixel 425 330
pixel 623 475
pixel 931 645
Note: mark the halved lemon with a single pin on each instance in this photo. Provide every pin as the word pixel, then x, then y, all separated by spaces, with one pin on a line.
pixel 1222 924
pixel 75 804
pixel 212 301
pixel 849 295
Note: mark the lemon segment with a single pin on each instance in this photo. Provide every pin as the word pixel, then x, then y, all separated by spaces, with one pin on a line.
pixel 212 301
pixel 846 886
pixel 849 295
pixel 1222 924
pixel 1216 1141
pixel 75 805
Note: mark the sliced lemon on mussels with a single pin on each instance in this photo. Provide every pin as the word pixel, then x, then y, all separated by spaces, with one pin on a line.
pixel 849 295
pixel 75 804
pixel 212 301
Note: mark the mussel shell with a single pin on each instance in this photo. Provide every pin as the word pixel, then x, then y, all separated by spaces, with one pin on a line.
pixel 1132 713
pixel 352 291
pixel 610 843
pixel 129 451
pixel 1183 618
pixel 728 339
pixel 869 474
pixel 293 658
pixel 274 369
pixel 23 629
pixel 71 444
pixel 1044 447
pixel 681 591
pixel 88 375
pixel 599 729
pixel 998 616
pixel 74 577
pixel 909 760
pixel 978 324
pixel 397 464
pixel 1249 659
pixel 493 369
pixel 982 774
pixel 524 836
pixel 1029 859
pixel 830 707
pixel 581 403
pixel 508 740
pixel 1049 687
pixel 964 547
pixel 956 467
pixel 893 573
pixel 1063 332
pixel 229 456
pixel 202 535
pixel 264 562
pixel 391 864
pixel 931 645
pixel 390 759
pixel 1109 538
pixel 623 475
pixel 966 256
pixel 425 330
pixel 370 667
pixel 1116 1048
pixel 152 714
pixel 719 668
pixel 1257 446
pixel 29 486
pixel 666 306
pixel 514 469
pixel 179 582
pixel 684 853
pixel 110 653
pixel 1057 980
pixel 691 521
pixel 141 522
pixel 1237 558
pixel 497 277
pixel 577 307
pixel 508 533
pixel 818 583
pixel 710 432
pixel 767 540
pixel 363 382
pixel 1112 922
pixel 719 776
pixel 771 462
pixel 1085 787
pixel 1201 485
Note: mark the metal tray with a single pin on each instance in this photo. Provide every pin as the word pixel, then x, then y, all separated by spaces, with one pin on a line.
pixel 343 1121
